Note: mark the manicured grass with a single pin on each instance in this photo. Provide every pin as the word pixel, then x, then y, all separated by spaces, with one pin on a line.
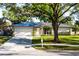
pixel 64 39
pixel 4 39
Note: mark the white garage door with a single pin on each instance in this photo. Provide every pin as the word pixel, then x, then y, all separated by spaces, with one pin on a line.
pixel 23 31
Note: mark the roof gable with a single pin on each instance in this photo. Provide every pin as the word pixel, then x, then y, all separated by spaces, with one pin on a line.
pixel 50 24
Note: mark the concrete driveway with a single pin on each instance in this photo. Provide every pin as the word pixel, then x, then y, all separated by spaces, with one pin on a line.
pixel 22 46
pixel 16 45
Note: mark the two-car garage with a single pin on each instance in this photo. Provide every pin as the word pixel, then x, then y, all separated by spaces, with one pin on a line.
pixel 22 31
pixel 25 29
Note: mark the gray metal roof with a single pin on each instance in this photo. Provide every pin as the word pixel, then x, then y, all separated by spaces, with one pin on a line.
pixel 50 24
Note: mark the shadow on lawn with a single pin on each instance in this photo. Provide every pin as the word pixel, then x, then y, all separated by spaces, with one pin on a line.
pixel 37 41
pixel 63 40
pixel 70 41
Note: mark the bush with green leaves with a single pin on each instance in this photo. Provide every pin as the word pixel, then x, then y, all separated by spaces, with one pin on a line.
pixel 47 30
pixel 8 31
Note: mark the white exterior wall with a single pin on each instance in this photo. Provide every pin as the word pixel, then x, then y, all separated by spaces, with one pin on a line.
pixel 77 32
pixel 37 32
pixel 63 30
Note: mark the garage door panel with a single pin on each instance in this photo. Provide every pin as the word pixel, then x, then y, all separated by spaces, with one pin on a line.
pixel 23 31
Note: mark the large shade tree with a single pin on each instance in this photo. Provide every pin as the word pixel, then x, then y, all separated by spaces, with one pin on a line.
pixel 54 13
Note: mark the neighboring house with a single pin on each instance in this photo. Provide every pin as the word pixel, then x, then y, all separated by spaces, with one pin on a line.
pixel 32 28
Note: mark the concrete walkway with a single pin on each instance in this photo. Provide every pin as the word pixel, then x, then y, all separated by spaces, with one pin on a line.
pixel 56 44
pixel 22 46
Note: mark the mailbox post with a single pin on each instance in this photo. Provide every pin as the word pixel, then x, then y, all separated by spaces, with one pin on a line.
pixel 42 42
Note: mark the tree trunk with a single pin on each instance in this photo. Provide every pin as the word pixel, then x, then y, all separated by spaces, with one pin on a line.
pixel 75 32
pixel 55 29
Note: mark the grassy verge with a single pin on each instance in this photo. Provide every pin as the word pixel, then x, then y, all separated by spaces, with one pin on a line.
pixel 64 39
pixel 3 39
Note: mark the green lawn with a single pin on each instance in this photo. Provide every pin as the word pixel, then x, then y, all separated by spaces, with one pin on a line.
pixel 4 39
pixel 64 39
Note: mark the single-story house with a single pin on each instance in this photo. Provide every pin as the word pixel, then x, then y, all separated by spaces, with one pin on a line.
pixel 36 28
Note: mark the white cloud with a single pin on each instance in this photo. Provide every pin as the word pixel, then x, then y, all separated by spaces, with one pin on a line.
pixel 1 13
pixel 35 19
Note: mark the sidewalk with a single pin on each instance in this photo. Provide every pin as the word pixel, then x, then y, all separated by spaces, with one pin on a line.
pixel 56 44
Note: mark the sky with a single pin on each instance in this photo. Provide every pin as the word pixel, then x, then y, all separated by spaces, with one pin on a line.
pixel 1 13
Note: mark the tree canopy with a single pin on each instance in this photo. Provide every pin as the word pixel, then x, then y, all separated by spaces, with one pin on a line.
pixel 13 12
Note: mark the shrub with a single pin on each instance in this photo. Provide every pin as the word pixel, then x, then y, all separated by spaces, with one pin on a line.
pixel 8 31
